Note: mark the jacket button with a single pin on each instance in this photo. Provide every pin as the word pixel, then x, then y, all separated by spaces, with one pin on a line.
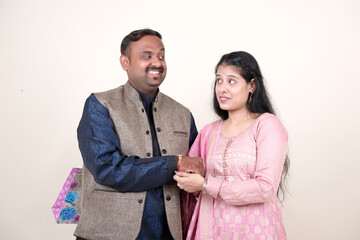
pixel 158 129
pixel 168 198
pixel 155 109
pixel 148 154
pixel 142 110
pixel 140 200
pixel 164 151
pixel 147 132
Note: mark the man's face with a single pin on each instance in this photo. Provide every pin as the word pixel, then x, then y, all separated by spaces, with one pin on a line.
pixel 145 64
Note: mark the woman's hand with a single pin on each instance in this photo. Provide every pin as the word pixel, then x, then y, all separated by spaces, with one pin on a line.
pixel 190 182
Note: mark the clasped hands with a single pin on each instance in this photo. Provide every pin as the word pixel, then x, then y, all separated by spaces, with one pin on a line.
pixel 190 176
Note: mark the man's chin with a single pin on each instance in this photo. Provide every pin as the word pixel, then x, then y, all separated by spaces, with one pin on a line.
pixel 155 82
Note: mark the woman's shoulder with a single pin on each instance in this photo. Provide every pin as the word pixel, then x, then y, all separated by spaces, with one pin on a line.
pixel 268 118
pixel 211 125
pixel 268 122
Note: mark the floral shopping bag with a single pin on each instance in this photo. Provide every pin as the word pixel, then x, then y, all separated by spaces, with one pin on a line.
pixel 67 206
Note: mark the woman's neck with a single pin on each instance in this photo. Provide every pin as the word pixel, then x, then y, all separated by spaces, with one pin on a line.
pixel 237 123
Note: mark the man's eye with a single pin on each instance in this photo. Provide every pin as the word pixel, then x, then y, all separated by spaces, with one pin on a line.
pixel 162 57
pixel 146 56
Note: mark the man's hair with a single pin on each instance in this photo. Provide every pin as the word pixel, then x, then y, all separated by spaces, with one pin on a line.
pixel 135 36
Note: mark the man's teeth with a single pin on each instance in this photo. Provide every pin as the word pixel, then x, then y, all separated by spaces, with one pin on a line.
pixel 154 72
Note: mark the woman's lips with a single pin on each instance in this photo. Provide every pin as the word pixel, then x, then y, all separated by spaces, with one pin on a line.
pixel 223 99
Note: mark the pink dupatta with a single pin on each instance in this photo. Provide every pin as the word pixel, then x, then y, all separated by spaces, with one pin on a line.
pixel 203 147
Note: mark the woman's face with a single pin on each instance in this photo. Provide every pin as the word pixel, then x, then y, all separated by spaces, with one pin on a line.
pixel 232 91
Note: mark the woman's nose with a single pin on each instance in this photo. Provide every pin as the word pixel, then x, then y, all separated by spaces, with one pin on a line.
pixel 223 88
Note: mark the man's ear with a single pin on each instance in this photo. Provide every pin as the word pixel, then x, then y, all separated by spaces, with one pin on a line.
pixel 124 61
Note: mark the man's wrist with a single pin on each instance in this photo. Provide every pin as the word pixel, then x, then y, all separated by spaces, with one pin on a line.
pixel 179 159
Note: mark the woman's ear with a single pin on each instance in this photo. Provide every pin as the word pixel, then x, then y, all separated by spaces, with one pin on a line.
pixel 124 61
pixel 252 85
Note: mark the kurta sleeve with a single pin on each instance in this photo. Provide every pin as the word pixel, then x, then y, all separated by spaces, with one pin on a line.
pixel 101 151
pixel 195 147
pixel 200 146
pixel 271 143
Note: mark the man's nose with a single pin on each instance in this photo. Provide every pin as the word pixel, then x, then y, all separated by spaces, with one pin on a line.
pixel 156 62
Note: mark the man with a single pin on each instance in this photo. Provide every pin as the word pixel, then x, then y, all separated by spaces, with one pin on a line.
pixel 129 138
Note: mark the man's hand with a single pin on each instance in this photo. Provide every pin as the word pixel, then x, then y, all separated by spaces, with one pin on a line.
pixel 192 165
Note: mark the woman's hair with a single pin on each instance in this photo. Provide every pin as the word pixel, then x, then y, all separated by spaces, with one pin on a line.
pixel 260 103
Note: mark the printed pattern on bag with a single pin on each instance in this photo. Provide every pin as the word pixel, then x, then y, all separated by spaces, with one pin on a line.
pixel 67 206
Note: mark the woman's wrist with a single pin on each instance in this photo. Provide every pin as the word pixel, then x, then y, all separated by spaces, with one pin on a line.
pixel 204 186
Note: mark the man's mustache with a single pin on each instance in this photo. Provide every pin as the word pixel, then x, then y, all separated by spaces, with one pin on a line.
pixel 160 69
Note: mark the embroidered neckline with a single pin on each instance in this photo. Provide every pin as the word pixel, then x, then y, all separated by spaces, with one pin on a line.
pixel 225 166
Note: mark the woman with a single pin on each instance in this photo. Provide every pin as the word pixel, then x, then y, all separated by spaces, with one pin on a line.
pixel 244 157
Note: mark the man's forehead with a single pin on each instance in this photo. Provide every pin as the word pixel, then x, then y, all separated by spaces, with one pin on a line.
pixel 152 43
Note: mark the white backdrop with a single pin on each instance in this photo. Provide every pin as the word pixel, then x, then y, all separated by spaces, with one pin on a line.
pixel 53 54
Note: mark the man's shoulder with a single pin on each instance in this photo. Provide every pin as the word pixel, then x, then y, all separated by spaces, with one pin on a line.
pixel 165 99
pixel 110 96
pixel 113 91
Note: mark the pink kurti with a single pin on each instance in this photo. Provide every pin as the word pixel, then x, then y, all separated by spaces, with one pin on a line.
pixel 243 175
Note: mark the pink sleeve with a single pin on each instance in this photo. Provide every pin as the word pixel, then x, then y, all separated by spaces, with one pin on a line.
pixel 271 142
pixel 195 150
pixel 200 145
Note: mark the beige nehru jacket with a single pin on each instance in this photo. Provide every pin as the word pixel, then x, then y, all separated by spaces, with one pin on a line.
pixel 108 214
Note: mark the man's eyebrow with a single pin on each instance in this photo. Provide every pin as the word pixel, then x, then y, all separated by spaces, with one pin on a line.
pixel 151 52
pixel 146 51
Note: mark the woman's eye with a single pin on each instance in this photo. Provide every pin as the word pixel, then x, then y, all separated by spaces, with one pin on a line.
pixel 232 81
pixel 218 80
